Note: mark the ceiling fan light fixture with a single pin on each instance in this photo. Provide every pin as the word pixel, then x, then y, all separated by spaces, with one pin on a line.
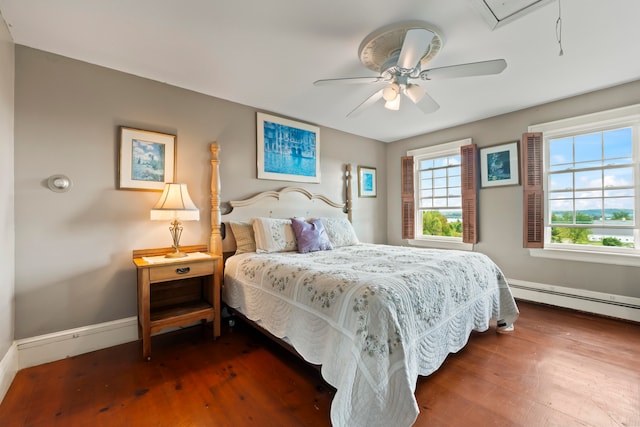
pixel 394 104
pixel 391 92
pixel 414 92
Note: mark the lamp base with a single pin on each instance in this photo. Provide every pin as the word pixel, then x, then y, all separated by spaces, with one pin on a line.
pixel 176 254
pixel 176 232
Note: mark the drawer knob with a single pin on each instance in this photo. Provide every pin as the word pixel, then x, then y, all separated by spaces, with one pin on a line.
pixel 183 270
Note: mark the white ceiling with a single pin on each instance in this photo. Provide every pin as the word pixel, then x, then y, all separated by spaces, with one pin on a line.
pixel 267 53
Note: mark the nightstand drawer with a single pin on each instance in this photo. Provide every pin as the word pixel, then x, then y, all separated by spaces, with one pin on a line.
pixel 180 271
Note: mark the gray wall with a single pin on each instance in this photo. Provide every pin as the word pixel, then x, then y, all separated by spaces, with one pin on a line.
pixel 500 210
pixel 7 253
pixel 73 250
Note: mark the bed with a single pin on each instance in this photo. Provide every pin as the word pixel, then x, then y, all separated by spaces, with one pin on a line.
pixel 373 317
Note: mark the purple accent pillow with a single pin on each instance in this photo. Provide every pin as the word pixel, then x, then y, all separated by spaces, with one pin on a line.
pixel 311 236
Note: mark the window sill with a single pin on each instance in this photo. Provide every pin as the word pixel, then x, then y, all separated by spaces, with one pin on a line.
pixel 587 256
pixel 440 244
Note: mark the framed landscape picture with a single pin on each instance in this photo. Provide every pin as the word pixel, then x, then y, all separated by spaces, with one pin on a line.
pixel 367 184
pixel 287 150
pixel 147 159
pixel 499 165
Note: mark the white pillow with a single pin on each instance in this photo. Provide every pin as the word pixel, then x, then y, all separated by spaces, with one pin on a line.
pixel 340 231
pixel 274 235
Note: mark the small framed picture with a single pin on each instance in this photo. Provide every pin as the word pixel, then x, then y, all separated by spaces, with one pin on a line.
pixel 499 165
pixel 367 185
pixel 287 150
pixel 147 159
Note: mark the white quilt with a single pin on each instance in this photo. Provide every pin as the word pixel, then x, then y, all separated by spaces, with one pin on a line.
pixel 374 316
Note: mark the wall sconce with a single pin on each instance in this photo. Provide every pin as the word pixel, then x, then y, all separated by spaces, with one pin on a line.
pixel 59 183
pixel 175 205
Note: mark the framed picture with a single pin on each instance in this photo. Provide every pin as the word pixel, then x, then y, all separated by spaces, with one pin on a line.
pixel 147 159
pixel 288 150
pixel 367 185
pixel 499 165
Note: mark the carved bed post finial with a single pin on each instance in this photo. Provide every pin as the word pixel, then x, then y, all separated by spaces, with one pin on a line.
pixel 348 191
pixel 215 242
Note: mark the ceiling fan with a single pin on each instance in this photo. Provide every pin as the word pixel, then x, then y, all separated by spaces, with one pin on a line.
pixel 399 53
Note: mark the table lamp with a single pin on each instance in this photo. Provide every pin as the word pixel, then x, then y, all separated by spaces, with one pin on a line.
pixel 175 205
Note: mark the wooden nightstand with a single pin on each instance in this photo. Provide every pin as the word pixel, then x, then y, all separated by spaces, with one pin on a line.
pixel 176 292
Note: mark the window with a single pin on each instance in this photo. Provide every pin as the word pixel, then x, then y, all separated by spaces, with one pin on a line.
pixel 591 184
pixel 439 207
pixel 440 192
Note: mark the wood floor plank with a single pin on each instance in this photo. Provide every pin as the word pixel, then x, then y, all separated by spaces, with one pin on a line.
pixel 558 368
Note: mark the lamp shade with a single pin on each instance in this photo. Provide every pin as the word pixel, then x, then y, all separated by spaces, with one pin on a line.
pixel 175 203
pixel 414 92
pixel 391 92
pixel 394 104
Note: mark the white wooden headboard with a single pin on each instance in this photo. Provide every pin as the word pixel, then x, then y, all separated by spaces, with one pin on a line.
pixel 284 203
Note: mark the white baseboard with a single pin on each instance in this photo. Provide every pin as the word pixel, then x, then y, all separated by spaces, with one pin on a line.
pixel 58 345
pixel 34 351
pixel 618 306
pixel 8 369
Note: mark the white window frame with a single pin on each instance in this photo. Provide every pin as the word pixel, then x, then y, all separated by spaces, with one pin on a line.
pixel 440 150
pixel 595 122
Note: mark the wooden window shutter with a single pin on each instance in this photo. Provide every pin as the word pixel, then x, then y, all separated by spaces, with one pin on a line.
pixel 408 202
pixel 533 194
pixel 469 170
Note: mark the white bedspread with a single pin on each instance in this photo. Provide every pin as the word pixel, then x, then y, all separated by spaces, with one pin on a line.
pixel 374 316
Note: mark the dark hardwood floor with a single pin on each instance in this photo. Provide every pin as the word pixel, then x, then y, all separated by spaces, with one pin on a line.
pixel 558 368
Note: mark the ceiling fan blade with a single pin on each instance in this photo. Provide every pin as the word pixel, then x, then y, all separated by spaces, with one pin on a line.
pixel 367 102
pixel 415 45
pixel 427 104
pixel 482 68
pixel 349 80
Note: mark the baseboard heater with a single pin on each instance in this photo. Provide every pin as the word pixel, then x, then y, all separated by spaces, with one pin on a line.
pixel 618 306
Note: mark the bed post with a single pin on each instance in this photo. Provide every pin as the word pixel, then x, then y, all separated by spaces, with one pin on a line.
pixel 215 242
pixel 348 191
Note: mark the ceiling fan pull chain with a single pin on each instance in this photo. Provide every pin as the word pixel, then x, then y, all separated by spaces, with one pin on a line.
pixel 559 29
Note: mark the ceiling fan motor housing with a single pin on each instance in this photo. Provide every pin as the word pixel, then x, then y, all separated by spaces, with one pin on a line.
pixel 380 50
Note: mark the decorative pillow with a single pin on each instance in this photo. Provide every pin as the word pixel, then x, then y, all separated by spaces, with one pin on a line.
pixel 340 232
pixel 245 239
pixel 274 235
pixel 310 236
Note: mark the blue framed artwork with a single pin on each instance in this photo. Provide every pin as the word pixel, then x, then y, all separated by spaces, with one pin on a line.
pixel 367 182
pixel 287 150
pixel 147 159
pixel 499 165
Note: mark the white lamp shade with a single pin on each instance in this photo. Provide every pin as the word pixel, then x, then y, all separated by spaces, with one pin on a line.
pixel 391 92
pixel 414 92
pixel 175 203
pixel 393 104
